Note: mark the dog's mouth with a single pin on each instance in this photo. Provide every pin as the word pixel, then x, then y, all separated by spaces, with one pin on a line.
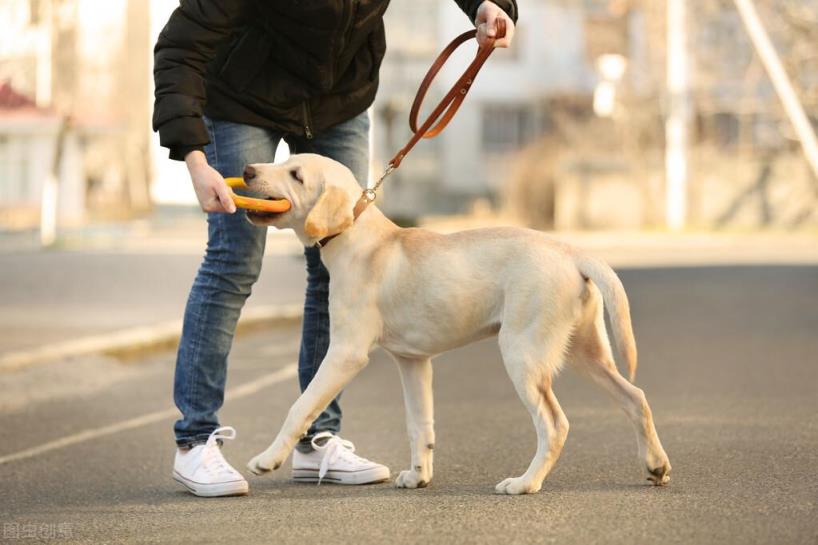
pixel 264 216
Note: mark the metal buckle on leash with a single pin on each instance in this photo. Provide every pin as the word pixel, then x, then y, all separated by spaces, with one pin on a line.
pixel 372 192
pixel 369 195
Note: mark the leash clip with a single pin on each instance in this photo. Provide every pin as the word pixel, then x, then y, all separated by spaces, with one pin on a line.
pixel 369 195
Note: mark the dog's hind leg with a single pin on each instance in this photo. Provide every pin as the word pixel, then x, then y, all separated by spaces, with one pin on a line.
pixel 416 377
pixel 635 405
pixel 591 354
pixel 338 368
pixel 532 377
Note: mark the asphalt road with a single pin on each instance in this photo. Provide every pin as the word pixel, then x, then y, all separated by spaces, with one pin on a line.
pixel 48 297
pixel 727 359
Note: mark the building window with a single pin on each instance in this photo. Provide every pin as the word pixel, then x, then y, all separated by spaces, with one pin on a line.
pixel 507 127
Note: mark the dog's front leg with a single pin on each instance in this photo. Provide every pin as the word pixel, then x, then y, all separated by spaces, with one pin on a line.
pixel 416 377
pixel 338 368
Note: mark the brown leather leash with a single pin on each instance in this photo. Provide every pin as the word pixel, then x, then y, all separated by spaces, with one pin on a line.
pixel 446 108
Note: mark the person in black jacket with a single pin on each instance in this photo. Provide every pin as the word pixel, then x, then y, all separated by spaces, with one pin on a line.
pixel 233 78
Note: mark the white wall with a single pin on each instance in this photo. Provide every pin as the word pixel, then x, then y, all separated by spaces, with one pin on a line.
pixel 25 163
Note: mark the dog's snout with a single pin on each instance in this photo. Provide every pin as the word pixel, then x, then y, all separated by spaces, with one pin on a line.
pixel 249 173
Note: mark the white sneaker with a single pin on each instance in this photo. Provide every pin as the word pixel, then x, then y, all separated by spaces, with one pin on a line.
pixel 204 471
pixel 334 460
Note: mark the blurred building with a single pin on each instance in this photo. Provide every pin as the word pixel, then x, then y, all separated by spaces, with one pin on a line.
pixel 506 110
pixel 566 128
pixel 748 164
pixel 28 136
pixel 79 70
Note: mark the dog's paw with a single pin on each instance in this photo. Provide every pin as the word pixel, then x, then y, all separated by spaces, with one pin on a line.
pixel 262 464
pixel 410 479
pixel 514 486
pixel 660 475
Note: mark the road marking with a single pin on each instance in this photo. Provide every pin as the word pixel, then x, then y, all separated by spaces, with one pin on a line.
pixel 238 392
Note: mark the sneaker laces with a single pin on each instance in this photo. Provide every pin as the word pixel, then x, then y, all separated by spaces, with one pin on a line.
pixel 334 449
pixel 212 457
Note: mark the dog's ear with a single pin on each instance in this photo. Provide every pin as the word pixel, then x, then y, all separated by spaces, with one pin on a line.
pixel 331 214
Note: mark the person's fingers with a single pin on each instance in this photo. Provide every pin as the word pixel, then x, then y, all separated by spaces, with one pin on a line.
pixel 211 203
pixel 491 23
pixel 485 34
pixel 506 40
pixel 224 198
pixel 488 29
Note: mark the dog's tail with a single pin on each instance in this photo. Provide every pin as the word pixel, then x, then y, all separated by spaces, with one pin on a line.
pixel 616 302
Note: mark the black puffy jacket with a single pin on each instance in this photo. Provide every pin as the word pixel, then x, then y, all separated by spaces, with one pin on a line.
pixel 299 66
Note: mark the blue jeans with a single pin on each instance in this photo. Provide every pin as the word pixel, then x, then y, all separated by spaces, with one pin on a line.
pixel 231 266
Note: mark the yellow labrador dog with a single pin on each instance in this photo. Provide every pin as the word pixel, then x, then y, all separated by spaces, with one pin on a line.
pixel 417 293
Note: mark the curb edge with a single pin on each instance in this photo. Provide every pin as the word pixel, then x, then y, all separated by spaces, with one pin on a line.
pixel 138 341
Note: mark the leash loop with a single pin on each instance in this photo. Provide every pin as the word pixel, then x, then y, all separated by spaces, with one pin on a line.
pixel 446 108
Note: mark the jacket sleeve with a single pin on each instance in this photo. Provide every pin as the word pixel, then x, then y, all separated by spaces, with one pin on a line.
pixel 470 7
pixel 185 46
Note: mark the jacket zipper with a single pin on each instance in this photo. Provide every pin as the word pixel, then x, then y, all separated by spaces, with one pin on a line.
pixel 307 121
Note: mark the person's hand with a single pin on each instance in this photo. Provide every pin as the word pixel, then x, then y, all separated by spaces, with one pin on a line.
pixel 486 23
pixel 210 187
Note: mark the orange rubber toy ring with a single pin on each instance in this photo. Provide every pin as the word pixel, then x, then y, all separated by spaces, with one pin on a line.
pixel 257 205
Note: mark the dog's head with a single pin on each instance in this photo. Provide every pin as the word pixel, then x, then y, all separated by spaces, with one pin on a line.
pixel 322 193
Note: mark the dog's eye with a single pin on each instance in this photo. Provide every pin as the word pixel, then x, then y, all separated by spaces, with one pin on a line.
pixel 296 175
